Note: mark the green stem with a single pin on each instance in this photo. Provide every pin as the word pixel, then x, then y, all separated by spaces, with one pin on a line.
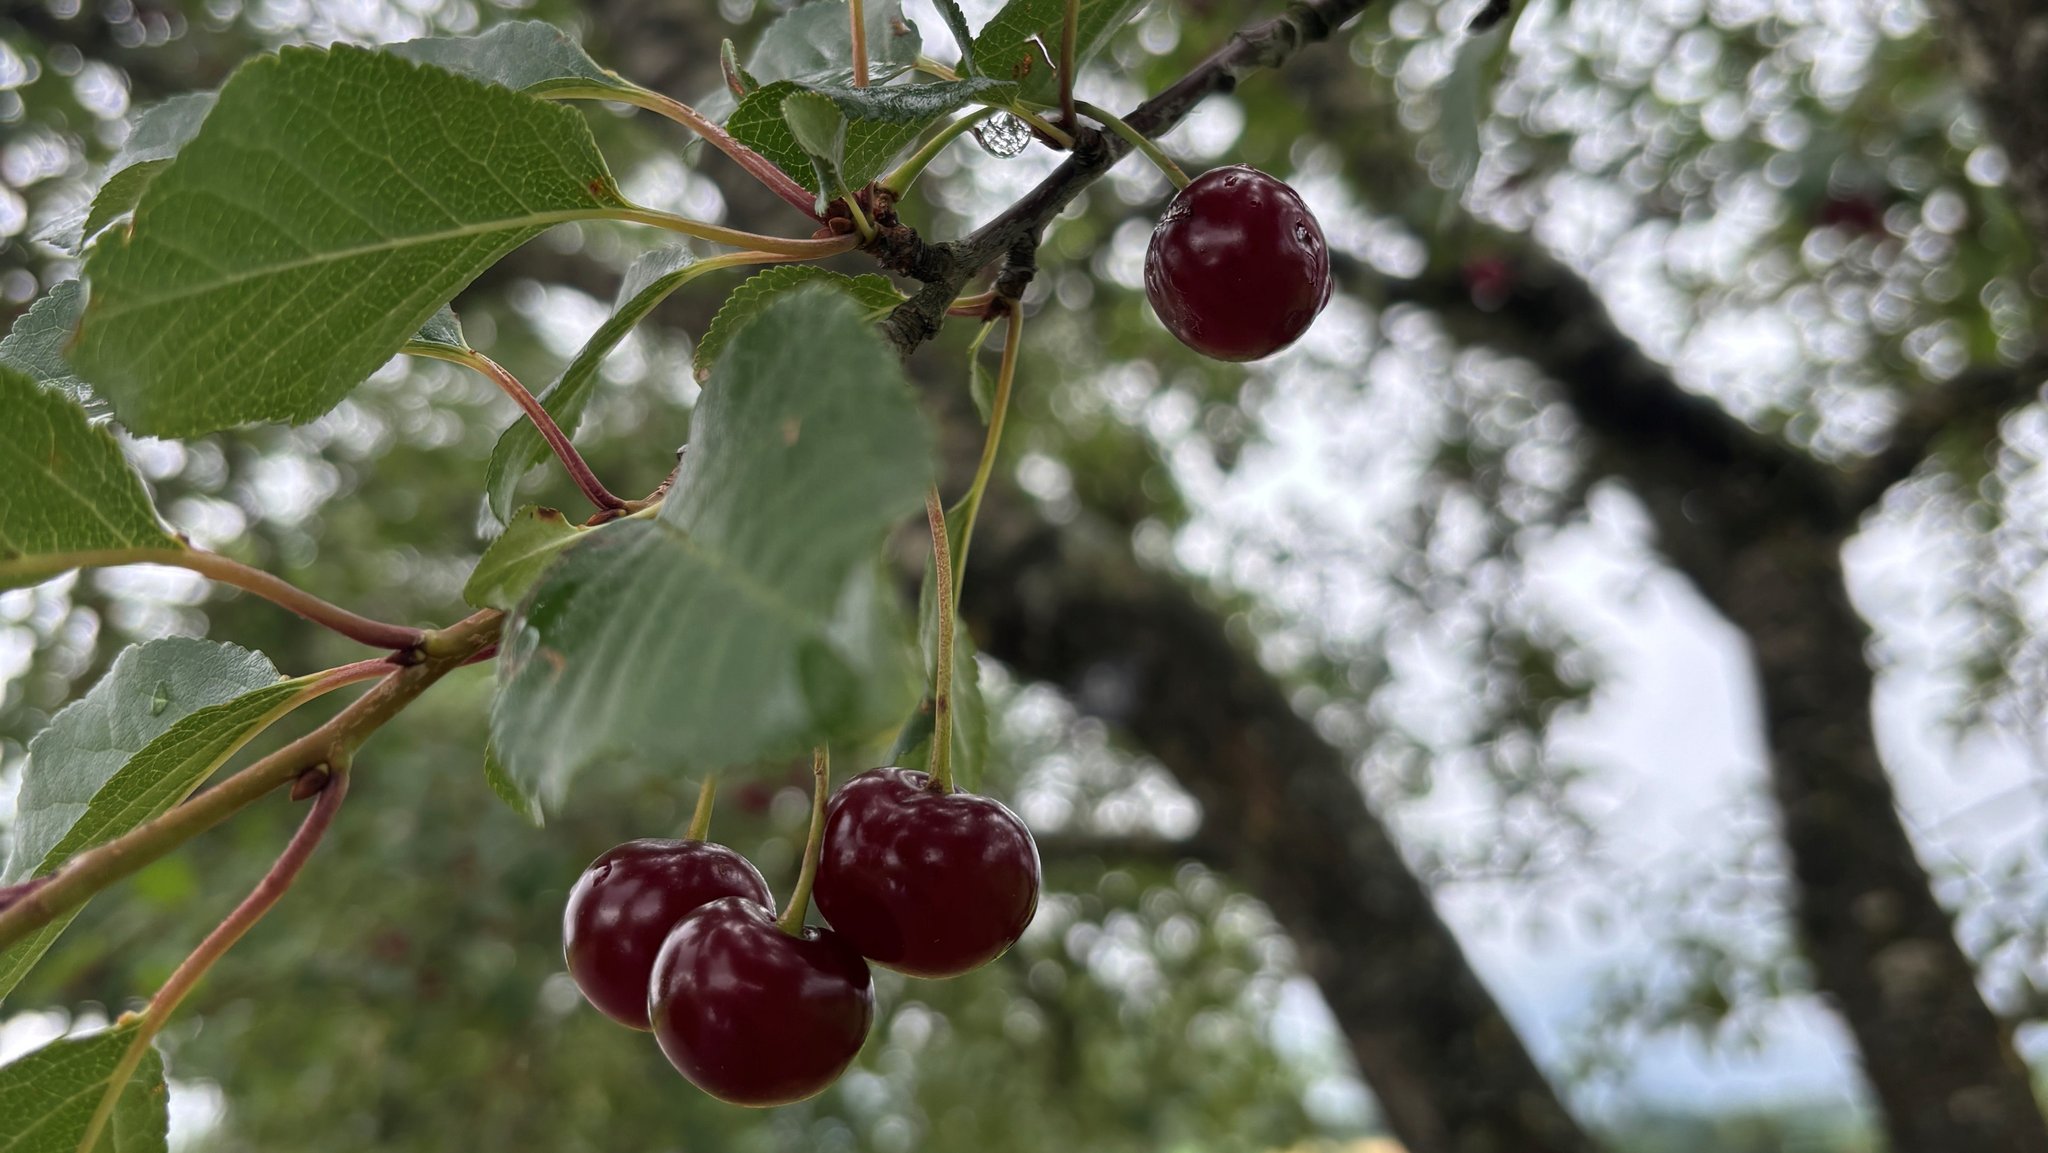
pixel 718 234
pixel 1070 31
pixel 234 573
pixel 906 173
pixel 700 820
pixel 860 43
pixel 860 219
pixel 792 920
pixel 758 166
pixel 931 67
pixel 1053 132
pixel 260 900
pixel 332 744
pixel 543 422
pixel 942 676
pixel 999 410
pixel 1139 141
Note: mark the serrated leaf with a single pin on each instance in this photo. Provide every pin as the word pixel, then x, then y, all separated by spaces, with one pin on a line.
pixel 442 330
pixel 647 283
pixel 956 23
pixel 48 1097
pixel 269 269
pixel 875 294
pixel 509 568
pixel 1008 47
pixel 819 129
pixel 525 55
pixel 748 620
pixel 65 487
pixel 160 130
pixel 35 345
pixel 813 39
pixel 165 716
pixel 738 80
pixel 881 121
pixel 508 790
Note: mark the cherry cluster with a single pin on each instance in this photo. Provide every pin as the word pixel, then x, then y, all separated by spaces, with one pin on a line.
pixel 682 936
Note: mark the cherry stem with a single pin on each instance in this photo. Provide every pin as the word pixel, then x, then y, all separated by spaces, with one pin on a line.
pixel 758 166
pixel 260 900
pixel 235 574
pixel 700 820
pixel 792 920
pixel 931 67
pixel 1070 32
pixel 1139 140
pixel 543 421
pixel 999 410
pixel 333 743
pixel 860 43
pixel 899 181
pixel 976 305
pixel 942 675
pixel 719 234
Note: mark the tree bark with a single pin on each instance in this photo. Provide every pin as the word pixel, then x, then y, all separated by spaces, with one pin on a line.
pixel 1283 812
pixel 1758 528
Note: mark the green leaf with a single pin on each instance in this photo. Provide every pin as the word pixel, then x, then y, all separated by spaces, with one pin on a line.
pixel 48 1097
pixel 526 56
pixel 35 346
pixel 647 283
pixel 819 130
pixel 1008 47
pixel 1461 103
pixel 813 40
pixel 442 330
pixel 956 23
pixel 166 715
pixel 875 294
pixel 748 619
pixel 518 557
pixel 881 121
pixel 159 132
pixel 65 487
pixel 522 802
pixel 271 268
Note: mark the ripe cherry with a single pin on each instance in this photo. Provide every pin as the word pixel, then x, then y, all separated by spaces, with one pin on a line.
pixel 753 1015
pixel 1237 268
pixel 927 883
pixel 624 905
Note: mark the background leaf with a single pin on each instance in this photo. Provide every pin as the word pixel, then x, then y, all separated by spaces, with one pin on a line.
pixel 269 271
pixel 166 715
pixel 517 558
pixel 956 23
pixel 813 40
pixel 882 121
pixel 748 620
pixel 526 56
pixel 65 486
pixel 747 301
pixel 154 136
pixel 48 1097
pixel 35 345
pixel 646 284
pixel 519 800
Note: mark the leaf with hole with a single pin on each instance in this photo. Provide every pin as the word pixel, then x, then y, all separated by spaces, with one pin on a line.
pixel 65 487
pixel 529 544
pixel 881 121
pixel 269 270
pixel 163 718
pixel 48 1097
pixel 748 620
pixel 874 293
pixel 646 284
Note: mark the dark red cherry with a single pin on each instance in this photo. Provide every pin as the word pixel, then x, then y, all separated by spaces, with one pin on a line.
pixel 624 905
pixel 753 1015
pixel 926 883
pixel 1237 268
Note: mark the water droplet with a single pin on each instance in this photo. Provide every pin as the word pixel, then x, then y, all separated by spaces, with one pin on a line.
pixel 161 700
pixel 1003 135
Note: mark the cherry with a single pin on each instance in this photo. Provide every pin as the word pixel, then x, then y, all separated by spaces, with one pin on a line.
pixel 624 905
pixel 753 1015
pixel 1237 268
pixel 927 883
